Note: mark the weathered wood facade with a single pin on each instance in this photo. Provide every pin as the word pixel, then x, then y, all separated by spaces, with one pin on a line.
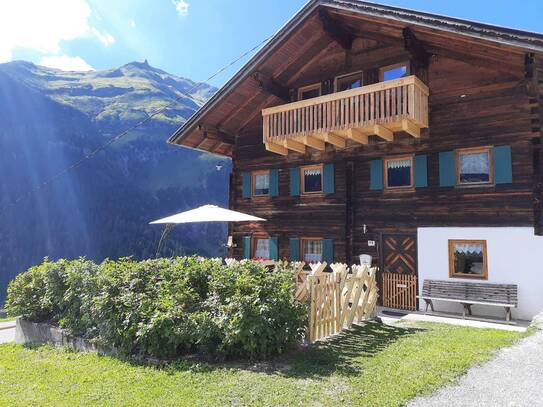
pixel 484 88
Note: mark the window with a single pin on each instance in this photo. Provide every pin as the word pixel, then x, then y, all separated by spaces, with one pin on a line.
pixel 399 173
pixel 309 92
pixel 261 183
pixel 474 166
pixel 311 179
pixel 396 71
pixel 312 250
pixel 261 249
pixel 467 259
pixel 349 81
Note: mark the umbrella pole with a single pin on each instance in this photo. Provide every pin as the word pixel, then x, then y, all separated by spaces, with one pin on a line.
pixel 167 229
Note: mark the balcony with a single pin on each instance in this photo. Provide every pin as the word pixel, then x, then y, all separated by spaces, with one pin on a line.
pixel 378 110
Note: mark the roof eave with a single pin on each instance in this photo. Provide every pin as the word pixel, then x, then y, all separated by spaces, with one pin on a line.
pixel 469 28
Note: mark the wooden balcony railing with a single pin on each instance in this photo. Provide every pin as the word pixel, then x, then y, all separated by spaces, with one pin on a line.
pixel 379 109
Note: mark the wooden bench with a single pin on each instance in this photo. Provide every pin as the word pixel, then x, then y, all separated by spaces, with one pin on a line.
pixel 468 294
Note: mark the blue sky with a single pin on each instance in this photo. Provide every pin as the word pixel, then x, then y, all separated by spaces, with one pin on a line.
pixel 190 38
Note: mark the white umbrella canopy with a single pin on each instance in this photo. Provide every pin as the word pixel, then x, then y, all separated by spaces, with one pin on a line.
pixel 207 213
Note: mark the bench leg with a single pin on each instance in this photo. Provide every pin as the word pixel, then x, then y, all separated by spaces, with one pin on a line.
pixel 508 314
pixel 467 307
pixel 430 303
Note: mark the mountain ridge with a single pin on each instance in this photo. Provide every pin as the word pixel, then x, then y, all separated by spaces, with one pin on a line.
pixel 53 118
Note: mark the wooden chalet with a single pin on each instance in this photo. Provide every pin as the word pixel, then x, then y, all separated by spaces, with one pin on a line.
pixel 367 129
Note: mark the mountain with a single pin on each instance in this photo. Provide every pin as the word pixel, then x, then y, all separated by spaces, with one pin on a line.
pixel 50 119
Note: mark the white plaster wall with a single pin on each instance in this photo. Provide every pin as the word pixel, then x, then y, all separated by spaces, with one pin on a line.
pixel 514 254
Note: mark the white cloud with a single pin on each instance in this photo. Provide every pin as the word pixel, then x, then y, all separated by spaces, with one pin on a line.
pixel 182 7
pixel 104 37
pixel 42 25
pixel 66 63
pixel 132 24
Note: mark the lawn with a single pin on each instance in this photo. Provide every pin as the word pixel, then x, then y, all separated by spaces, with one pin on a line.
pixel 7 319
pixel 371 365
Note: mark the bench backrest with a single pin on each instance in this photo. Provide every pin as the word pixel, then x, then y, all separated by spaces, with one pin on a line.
pixel 478 292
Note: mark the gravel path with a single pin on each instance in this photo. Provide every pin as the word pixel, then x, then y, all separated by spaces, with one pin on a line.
pixel 513 378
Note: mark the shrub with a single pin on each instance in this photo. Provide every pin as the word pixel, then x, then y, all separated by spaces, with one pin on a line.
pixel 165 307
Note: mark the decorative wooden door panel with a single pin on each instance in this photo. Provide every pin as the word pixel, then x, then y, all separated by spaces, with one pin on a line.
pixel 399 276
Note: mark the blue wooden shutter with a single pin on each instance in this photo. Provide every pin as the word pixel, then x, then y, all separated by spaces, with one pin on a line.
pixel 328 178
pixel 328 251
pixel 503 171
pixel 274 183
pixel 420 171
pixel 295 181
pixel 447 169
pixel 294 244
pixel 274 248
pixel 376 174
pixel 246 247
pixel 246 185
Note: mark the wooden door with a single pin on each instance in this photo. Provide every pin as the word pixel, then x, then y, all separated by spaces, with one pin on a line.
pixel 399 271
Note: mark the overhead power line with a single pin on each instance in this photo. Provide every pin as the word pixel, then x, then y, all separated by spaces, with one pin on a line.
pixel 119 136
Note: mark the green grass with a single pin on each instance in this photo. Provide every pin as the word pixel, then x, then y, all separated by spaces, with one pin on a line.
pixel 7 319
pixel 372 365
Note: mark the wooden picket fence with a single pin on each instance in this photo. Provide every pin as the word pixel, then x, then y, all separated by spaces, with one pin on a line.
pixel 337 299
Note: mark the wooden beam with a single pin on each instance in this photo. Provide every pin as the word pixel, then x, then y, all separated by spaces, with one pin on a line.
pixel 530 75
pixel 336 31
pixel 269 85
pixel 276 148
pixel 294 145
pixel 215 133
pixel 257 111
pixel 313 142
pixel 415 48
pixel 411 128
pixel 357 135
pixel 383 132
pixel 332 138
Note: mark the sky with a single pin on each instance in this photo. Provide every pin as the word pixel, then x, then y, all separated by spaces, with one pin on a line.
pixel 189 38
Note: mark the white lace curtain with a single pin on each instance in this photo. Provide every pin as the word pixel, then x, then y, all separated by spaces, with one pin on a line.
pixel 312 172
pixel 476 163
pixel 468 248
pixel 262 249
pixel 262 182
pixel 313 251
pixel 399 164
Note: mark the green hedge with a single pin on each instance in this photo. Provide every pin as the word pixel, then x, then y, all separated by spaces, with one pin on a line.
pixel 165 307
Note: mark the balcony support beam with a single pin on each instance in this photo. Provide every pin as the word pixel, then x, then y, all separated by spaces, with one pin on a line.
pixel 333 138
pixel 313 142
pixel 276 148
pixel 411 128
pixel 294 145
pixel 358 136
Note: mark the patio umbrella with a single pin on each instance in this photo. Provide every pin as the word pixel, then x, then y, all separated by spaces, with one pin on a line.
pixel 206 213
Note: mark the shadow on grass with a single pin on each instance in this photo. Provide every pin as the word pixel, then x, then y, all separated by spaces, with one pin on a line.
pixel 340 354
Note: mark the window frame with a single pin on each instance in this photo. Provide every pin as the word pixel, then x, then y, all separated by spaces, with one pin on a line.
pixel 458 152
pixel 396 65
pixel 302 179
pixel 306 88
pixel 411 186
pixel 453 273
pixel 314 239
pixel 256 237
pixel 339 77
pixel 253 184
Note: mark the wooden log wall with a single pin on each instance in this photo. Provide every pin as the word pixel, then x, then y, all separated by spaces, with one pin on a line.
pixel 470 105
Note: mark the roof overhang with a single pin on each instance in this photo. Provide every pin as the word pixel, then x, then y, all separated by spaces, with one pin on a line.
pixel 522 40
